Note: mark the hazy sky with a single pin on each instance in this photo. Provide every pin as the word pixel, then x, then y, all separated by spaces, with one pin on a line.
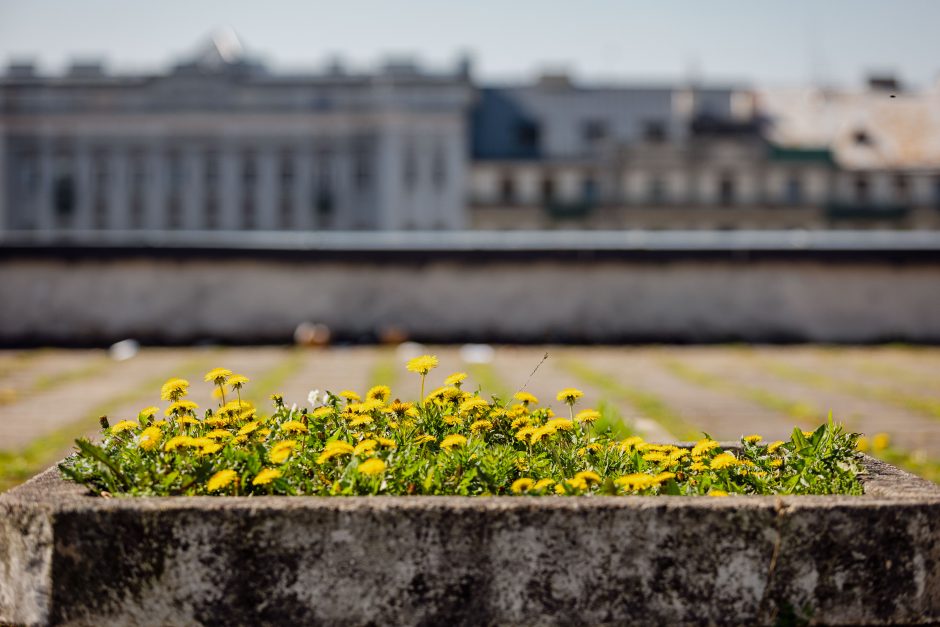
pixel 780 42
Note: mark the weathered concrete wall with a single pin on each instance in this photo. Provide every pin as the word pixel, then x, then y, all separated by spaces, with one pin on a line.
pixel 872 559
pixel 529 298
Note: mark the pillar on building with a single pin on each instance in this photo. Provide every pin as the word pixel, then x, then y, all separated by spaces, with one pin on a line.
pixel 304 217
pixel 118 218
pixel 230 192
pixel 388 176
pixel 44 221
pixel 266 193
pixel 156 188
pixel 83 186
pixel 193 197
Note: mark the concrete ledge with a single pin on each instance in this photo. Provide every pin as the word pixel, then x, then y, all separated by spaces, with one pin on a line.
pixel 70 558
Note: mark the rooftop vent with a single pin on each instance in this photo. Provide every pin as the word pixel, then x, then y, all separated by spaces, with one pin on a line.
pixel 884 82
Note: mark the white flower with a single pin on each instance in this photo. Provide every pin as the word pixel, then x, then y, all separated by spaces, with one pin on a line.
pixel 314 397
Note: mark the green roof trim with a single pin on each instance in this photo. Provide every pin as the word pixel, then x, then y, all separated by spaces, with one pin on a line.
pixel 801 155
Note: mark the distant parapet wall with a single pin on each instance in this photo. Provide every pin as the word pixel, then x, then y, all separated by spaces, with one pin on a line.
pixel 574 287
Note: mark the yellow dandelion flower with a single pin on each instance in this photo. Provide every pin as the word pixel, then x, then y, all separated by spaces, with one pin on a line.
pixel 387 442
pixel 424 438
pixel 521 421
pixel 541 432
pixel 221 479
pixel 634 482
pixel 455 379
pixel 399 408
pixel 655 457
pixel 422 365
pixel 181 407
pixel 174 389
pixel 248 428
pixel 124 425
pixel 525 398
pixel 366 447
pixel 880 441
pixel 703 446
pixel 773 446
pixel 569 396
pixel 148 412
pixel 453 441
pixel 481 425
pixel 294 426
pixel 363 419
pixel 266 476
pixel 723 460
pixel 334 449
pixel 522 485
pixel 577 483
pixel 379 393
pixel 698 467
pixel 524 433
pixel 542 484
pixel 371 467
pixel 209 449
pixel 321 412
pixel 150 438
pixel 717 493
pixel 753 439
pixel 590 449
pixel 176 442
pixel 237 381
pixel 350 396
pixel 452 420
pixel 807 434
pixel 473 404
pixel 560 490
pixel 589 476
pixel 218 376
pixel 776 463
pixel 281 451
pixel 560 424
pixel 159 423
pixel 240 439
pixel 631 443
pixel 588 416
pixel 664 476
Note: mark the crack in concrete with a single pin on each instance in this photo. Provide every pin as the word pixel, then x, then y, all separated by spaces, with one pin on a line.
pixel 780 509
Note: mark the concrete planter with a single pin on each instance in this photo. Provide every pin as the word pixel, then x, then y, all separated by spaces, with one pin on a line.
pixel 70 558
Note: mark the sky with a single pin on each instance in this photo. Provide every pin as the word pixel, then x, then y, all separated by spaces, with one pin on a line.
pixel 784 42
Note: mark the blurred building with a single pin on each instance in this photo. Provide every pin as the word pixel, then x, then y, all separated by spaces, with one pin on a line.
pixel 555 154
pixel 220 143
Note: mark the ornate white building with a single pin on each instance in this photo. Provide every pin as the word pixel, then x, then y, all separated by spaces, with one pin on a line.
pixel 220 143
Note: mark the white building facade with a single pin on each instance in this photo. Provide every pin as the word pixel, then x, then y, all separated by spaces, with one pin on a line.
pixel 221 144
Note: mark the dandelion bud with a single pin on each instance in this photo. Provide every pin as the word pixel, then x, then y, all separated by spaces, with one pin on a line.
pixel 103 421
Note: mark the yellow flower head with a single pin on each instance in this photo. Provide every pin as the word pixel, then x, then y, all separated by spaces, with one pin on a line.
pixel 588 476
pixel 294 426
pixel 366 447
pixel 176 442
pixel 422 365
pixel 481 425
pixel 773 446
pixel 472 405
pixel 237 381
pixel 148 412
pixel 386 442
pixel 371 467
pixel 399 408
pixel 569 396
pixel 424 439
pixel 543 484
pixel 266 476
pixel 209 449
pixel 221 479
pixel 525 398
pixel 218 376
pixel 379 393
pixel 522 485
pixel 281 451
pixel 334 449
pixel 453 441
pixel 724 460
pixel 588 416
pixel 524 433
pixel 124 425
pixel 520 422
pixel 150 438
pixel 717 493
pixel 174 389
pixel 248 428
pixel 753 439
pixel 181 407
pixel 703 446
pixel 880 441
pixel 861 445
pixel 655 457
pixel 361 419
pixel 560 424
pixel 455 379
pixel 350 396
pixel 540 433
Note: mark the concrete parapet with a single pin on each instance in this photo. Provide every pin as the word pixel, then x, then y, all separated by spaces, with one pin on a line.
pixel 66 557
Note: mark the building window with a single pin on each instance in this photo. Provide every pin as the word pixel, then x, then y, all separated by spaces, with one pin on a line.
pixel 657 191
pixel 410 167
pixel 362 169
pixel 439 168
pixel 548 190
pixel 507 190
pixel 64 196
pixel 594 130
pixel 654 131
pixel 726 190
pixel 862 190
pixel 793 191
pixel 529 134
pixel 589 191
pixel 902 188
